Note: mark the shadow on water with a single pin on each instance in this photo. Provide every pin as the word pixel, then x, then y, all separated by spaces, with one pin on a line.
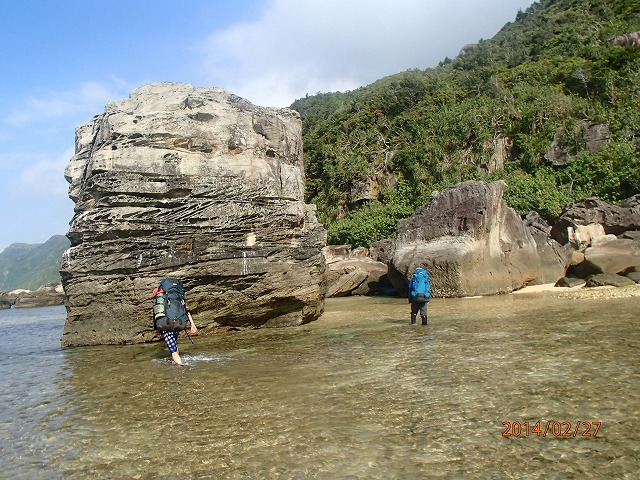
pixel 357 394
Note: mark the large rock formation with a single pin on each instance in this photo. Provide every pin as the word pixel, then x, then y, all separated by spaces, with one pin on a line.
pixel 469 240
pixel 198 184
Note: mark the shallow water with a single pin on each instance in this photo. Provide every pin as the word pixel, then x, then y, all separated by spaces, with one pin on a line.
pixel 357 394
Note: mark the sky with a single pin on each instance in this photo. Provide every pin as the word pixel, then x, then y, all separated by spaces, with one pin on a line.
pixel 64 60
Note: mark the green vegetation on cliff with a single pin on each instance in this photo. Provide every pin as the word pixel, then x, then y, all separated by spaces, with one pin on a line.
pixel 30 266
pixel 374 154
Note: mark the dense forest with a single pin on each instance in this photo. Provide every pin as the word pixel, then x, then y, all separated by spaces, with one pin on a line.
pixel 550 104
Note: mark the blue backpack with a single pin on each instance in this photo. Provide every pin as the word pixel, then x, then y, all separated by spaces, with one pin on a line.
pixel 420 286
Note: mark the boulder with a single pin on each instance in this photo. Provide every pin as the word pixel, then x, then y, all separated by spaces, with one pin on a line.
pixel 194 183
pixel 631 39
pixel 613 256
pixel 353 273
pixel 631 202
pixel 566 144
pixel 469 240
pixel 382 250
pixel 608 279
pixel 570 282
pixel 38 298
pixel 554 258
pixel 613 219
pixel 635 276
pixel 633 235
pixel 581 236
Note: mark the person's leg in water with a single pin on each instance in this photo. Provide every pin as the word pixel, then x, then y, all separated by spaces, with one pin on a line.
pixel 415 306
pixel 171 339
pixel 423 312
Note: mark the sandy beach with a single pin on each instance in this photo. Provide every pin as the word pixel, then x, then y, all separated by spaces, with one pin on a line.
pixel 582 291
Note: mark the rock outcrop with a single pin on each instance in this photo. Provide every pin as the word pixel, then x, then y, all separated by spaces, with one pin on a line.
pixel 198 184
pixel 45 296
pixel 593 211
pixel 631 39
pixel 469 240
pixel 354 272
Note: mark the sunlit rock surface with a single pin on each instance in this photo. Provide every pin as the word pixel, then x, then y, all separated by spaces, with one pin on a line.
pixel 469 240
pixel 199 184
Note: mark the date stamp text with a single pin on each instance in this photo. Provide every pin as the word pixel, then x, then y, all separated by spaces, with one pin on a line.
pixel 551 428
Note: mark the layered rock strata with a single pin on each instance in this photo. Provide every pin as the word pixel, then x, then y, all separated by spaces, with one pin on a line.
pixel 198 184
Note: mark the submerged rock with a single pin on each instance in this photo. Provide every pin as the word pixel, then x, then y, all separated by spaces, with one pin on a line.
pixel 194 183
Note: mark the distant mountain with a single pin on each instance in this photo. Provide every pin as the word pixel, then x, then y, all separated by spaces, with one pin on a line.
pixel 30 266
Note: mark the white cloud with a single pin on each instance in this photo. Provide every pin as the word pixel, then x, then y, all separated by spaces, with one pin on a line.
pixel 299 47
pixel 86 98
pixel 44 177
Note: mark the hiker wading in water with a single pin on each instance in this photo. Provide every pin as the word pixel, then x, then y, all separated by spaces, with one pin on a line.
pixel 171 339
pixel 170 314
pixel 419 294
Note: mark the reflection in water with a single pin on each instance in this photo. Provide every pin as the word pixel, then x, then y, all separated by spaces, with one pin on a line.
pixel 358 394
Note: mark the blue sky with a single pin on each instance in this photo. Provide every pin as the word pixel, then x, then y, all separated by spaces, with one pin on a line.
pixel 63 60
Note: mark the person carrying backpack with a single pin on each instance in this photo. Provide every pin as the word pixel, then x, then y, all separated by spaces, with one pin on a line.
pixel 170 314
pixel 419 294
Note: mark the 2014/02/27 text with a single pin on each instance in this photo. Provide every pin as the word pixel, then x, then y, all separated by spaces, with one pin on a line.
pixel 551 428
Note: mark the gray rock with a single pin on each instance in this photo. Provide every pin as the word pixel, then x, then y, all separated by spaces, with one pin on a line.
pixel 608 279
pixel 564 145
pixel 198 184
pixel 382 250
pixel 631 39
pixel 351 273
pixel 631 202
pixel 554 258
pixel 615 220
pixel 635 276
pixel 615 256
pixel 632 235
pixel 45 296
pixel 570 282
pixel 469 240
pixel 38 298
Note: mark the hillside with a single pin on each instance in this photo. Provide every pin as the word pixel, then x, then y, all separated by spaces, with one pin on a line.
pixel 30 266
pixel 549 104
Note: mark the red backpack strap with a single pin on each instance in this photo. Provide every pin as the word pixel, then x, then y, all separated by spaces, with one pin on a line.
pixel 156 291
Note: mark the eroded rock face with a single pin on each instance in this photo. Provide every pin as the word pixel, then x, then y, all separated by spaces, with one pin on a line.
pixel 593 211
pixel 198 184
pixel 469 240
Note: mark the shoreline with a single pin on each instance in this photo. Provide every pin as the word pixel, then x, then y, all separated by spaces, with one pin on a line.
pixel 582 291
